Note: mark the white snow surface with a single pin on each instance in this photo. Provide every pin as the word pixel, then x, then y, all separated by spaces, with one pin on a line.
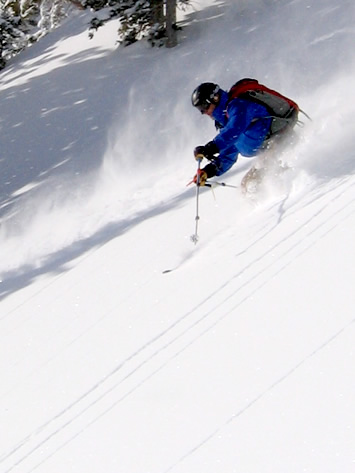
pixel 241 359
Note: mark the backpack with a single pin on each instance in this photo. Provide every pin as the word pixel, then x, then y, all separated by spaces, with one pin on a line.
pixel 283 110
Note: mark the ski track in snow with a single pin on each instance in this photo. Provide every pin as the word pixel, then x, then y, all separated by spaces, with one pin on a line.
pixel 130 374
pixel 260 396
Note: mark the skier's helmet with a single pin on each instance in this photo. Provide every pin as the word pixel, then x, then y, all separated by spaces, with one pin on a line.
pixel 204 95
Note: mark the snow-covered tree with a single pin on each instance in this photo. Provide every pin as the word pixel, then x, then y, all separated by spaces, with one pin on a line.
pixel 154 19
pixel 13 37
pixel 52 13
pixel 22 22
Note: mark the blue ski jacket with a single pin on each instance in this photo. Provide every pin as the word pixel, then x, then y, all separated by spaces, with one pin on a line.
pixel 244 126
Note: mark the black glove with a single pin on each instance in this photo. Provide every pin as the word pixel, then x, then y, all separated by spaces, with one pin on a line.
pixel 208 151
pixel 210 170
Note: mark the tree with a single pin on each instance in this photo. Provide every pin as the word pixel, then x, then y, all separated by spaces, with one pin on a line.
pixel 154 19
pixel 23 22
pixel 13 37
pixel 171 30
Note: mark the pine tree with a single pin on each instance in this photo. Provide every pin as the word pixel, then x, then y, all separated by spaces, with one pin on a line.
pixel 22 22
pixel 154 19
pixel 13 37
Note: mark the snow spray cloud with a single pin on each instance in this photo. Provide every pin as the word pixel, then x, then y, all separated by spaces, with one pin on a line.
pixel 156 131
pixel 327 149
pixel 56 215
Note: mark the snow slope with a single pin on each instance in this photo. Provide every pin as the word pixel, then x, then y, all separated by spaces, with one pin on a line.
pixel 242 357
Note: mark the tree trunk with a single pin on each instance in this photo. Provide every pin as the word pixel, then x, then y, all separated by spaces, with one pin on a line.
pixel 171 23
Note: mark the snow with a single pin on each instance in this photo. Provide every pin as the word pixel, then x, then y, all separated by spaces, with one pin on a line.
pixel 242 357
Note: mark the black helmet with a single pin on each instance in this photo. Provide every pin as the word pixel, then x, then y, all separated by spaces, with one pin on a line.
pixel 204 95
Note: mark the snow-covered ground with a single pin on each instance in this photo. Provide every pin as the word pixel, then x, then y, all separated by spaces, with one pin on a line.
pixel 241 359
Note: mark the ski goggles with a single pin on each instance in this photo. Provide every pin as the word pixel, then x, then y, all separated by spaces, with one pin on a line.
pixel 203 107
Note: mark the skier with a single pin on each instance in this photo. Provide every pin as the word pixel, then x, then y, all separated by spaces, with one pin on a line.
pixel 251 120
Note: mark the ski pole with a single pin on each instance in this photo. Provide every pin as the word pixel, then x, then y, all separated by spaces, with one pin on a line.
pixel 194 237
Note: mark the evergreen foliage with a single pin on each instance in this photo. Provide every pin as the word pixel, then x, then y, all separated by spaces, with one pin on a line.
pixel 22 22
pixel 138 18
pixel 12 36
